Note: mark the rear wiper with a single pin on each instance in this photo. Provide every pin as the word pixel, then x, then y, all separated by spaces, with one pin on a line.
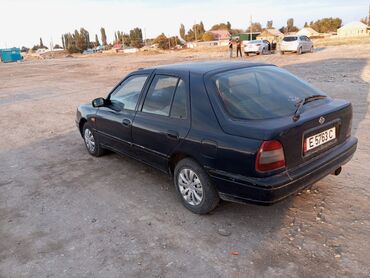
pixel 302 102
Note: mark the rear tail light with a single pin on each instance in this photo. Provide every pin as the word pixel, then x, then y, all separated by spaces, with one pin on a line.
pixel 270 156
pixel 258 44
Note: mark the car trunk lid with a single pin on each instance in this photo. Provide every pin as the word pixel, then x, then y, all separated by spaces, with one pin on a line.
pixel 293 134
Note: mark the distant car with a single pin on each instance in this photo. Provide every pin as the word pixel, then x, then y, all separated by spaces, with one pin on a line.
pixel 257 47
pixel 298 44
pixel 89 51
pixel 245 132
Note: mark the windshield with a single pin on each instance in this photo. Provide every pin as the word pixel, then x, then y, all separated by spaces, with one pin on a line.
pixel 290 39
pixel 262 92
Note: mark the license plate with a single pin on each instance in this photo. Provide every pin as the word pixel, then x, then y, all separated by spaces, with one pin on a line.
pixel 319 139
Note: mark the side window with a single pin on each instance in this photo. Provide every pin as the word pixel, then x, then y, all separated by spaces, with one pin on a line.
pixel 127 94
pixel 179 105
pixel 160 94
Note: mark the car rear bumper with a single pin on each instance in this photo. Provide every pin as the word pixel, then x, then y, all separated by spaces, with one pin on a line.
pixel 252 50
pixel 288 48
pixel 269 190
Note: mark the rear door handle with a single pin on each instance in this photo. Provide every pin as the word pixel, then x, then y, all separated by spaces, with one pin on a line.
pixel 173 134
pixel 126 122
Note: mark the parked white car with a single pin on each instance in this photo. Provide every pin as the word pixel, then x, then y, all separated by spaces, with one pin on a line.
pixel 257 46
pixel 298 44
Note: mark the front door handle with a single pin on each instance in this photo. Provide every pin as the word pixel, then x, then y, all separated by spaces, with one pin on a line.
pixel 126 122
pixel 173 134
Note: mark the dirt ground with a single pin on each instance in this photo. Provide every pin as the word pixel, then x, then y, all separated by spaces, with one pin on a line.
pixel 64 213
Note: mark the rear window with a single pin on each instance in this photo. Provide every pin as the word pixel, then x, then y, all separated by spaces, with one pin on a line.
pixel 290 39
pixel 255 42
pixel 262 92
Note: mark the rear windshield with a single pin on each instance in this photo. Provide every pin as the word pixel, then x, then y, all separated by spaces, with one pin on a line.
pixel 262 92
pixel 254 42
pixel 290 39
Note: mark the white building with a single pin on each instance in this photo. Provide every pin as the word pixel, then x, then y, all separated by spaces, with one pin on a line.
pixel 354 29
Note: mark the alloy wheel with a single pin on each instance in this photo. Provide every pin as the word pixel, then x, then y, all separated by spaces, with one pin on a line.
pixel 89 140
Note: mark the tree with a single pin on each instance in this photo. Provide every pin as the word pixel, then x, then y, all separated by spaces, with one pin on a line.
pixel 255 26
pixel 228 24
pixel 198 30
pixel 305 24
pixel 182 31
pixel 97 43
pixel 83 39
pixel 126 40
pixel 201 27
pixel 77 42
pixel 208 36
pixel 190 36
pixel 162 41
pixel 24 49
pixel 39 46
pixel 57 46
pixel 103 36
pixel 63 42
pixel 221 26
pixel 269 24
pixel 290 27
pixel 326 25
pixel 136 37
pixel 174 40
pixel 365 20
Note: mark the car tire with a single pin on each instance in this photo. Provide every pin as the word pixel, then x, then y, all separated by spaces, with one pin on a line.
pixel 311 49
pixel 91 141
pixel 194 188
pixel 299 51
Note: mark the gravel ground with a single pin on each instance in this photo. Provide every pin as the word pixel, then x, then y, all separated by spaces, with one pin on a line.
pixel 64 213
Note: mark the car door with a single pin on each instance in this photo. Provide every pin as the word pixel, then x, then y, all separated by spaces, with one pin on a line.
pixel 163 120
pixel 114 121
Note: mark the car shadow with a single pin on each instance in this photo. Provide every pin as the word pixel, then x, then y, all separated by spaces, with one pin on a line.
pixel 318 49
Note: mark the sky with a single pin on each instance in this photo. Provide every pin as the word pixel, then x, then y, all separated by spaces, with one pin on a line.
pixel 23 22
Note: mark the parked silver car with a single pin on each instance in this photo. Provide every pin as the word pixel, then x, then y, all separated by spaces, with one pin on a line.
pixel 298 44
pixel 257 46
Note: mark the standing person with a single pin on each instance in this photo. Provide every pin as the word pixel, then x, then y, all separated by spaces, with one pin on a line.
pixel 238 47
pixel 231 47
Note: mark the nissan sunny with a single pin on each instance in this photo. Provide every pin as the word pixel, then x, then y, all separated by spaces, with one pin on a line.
pixel 237 131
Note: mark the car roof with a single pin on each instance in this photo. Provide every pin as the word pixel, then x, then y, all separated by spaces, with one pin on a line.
pixel 205 67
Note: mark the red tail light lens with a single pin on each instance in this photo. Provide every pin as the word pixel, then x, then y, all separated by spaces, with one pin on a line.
pixel 258 44
pixel 270 156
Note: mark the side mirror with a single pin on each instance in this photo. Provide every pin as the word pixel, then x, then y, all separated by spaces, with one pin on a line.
pixel 98 102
